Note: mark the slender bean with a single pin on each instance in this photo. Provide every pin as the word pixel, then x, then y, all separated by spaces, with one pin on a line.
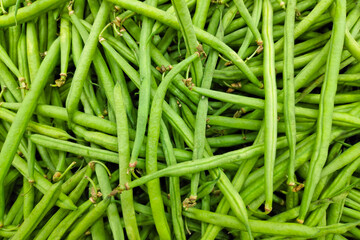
pixel 249 21
pixel 152 142
pixel 191 42
pixel 201 114
pixel 124 159
pixel 145 87
pixel 22 118
pixel 39 212
pixel 201 35
pixel 89 219
pixel 289 93
pixel 270 117
pixel 326 107
pixel 66 223
pixel 86 58
pixel 29 12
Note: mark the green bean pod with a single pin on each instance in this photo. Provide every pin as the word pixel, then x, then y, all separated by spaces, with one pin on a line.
pixel 65 45
pixel 152 142
pixel 201 114
pixel 86 58
pixel 89 219
pixel 145 87
pixel 201 35
pixel 23 117
pixel 289 93
pixel 124 159
pixel 270 103
pixel 326 107
pixel 39 212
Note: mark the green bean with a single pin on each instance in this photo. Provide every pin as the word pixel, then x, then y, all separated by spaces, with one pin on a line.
pixel 307 22
pixel 145 87
pixel 36 127
pixel 14 33
pixel 152 142
pixel 66 223
pixel 249 21
pixel 201 35
pixel 52 28
pixel 351 44
pixel 28 13
pixel 190 38
pixel 171 10
pixel 325 108
pixel 299 62
pixel 201 114
pixel 11 214
pixel 39 212
pixel 65 44
pixel 10 82
pixel 238 182
pixel 86 58
pixel 28 197
pixel 89 219
pixel 23 116
pixel 33 57
pixel 249 35
pixel 270 117
pixel 79 117
pixel 5 58
pixel 105 78
pixel 259 104
pixel 124 158
pixel 43 33
pixel 23 64
pixel 74 148
pixel 201 12
pixel 289 93
pixel 41 183
pixel 62 213
pixel 160 60
pixel 97 230
pixel 207 163
pixel 176 210
pixel 334 215
pixel 266 227
pixel 120 78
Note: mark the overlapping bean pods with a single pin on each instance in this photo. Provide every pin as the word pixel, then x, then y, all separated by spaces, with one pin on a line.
pixel 179 119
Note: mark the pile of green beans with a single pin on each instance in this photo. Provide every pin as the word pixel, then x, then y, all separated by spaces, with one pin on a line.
pixel 179 119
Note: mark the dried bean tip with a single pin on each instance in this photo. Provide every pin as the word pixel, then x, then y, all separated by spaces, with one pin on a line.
pixel 56 176
pixel 300 221
pixel 132 165
pixel 268 210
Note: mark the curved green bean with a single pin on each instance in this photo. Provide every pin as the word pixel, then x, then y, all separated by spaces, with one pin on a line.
pixel 326 107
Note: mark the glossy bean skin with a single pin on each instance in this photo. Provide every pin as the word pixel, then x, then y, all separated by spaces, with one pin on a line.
pixel 124 159
pixel 201 114
pixel 176 208
pixel 39 212
pixel 270 116
pixel 152 142
pixel 86 59
pixel 89 219
pixel 62 213
pixel 23 116
pixel 326 107
pixel 145 87
pixel 289 92
pixel 201 35
pixel 266 226
pixel 190 38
